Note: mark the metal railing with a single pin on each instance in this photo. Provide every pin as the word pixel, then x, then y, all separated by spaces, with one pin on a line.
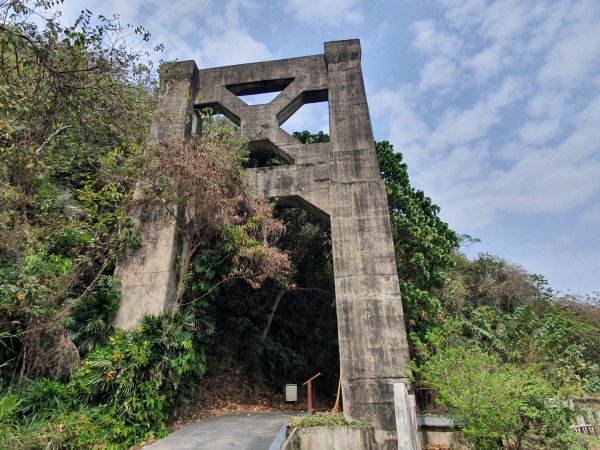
pixel 589 429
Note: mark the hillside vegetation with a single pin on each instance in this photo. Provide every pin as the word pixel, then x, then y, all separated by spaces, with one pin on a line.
pixel 502 352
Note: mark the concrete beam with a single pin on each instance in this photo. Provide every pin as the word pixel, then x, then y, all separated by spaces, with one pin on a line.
pixel 373 344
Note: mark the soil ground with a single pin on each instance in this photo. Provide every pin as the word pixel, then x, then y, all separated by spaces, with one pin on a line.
pixel 227 393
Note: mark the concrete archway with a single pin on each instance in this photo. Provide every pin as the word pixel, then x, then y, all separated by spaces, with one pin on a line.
pixel 338 181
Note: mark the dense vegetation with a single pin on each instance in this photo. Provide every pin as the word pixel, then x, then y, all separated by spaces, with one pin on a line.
pixel 256 298
pixel 76 105
pixel 509 356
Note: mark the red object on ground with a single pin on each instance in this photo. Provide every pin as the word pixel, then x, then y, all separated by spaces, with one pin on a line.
pixel 310 392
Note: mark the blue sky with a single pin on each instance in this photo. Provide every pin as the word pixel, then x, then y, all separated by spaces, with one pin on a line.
pixel 494 105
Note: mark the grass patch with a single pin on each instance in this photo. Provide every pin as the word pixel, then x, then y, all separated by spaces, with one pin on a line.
pixel 323 420
pixel 590 439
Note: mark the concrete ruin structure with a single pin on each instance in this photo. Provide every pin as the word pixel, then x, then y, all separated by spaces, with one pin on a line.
pixel 338 181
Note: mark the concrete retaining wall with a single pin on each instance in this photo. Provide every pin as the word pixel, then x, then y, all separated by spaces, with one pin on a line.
pixel 589 409
pixel 433 430
pixel 437 430
pixel 333 438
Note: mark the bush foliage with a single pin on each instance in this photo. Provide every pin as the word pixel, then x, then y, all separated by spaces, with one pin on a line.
pixel 498 405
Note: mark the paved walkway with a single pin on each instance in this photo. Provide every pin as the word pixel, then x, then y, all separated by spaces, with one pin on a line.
pixel 249 431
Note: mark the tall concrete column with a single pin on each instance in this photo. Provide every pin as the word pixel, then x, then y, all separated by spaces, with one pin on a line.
pixel 372 336
pixel 147 275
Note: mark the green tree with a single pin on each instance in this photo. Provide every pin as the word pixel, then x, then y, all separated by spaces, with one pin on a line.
pixel 423 242
pixel 501 309
pixel 201 183
pixel 489 280
pixel 498 405
pixel 75 103
pixel 280 332
pixel 139 374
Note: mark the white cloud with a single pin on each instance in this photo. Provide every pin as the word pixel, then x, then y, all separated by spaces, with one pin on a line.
pixel 328 12
pixel 458 127
pixel 547 103
pixel 526 144
pixel 233 47
pixel 537 184
pixel 462 13
pixel 407 129
pixel 487 62
pixel 429 40
pixel 438 72
pixel 577 51
pixel 539 132
pixel 209 31
pixel 505 20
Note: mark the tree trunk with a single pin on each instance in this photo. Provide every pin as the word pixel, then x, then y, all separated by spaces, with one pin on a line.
pixel 283 291
pixel 267 327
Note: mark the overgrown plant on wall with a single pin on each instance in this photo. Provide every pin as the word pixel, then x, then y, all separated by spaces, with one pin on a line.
pixel 201 183
pixel 256 292
pixel 76 104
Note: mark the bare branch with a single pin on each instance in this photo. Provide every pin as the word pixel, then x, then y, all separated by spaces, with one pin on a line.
pixel 52 136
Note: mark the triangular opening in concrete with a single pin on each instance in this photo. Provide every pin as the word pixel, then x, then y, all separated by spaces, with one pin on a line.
pixel 260 92
pixel 264 153
pixel 220 121
pixel 259 99
pixel 309 111
pixel 215 112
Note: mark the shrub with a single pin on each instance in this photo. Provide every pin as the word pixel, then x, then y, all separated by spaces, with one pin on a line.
pixel 43 398
pixel 498 405
pixel 138 375
pixel 91 319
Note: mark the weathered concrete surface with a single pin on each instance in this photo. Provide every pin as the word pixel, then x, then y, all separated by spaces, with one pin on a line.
pixel 333 438
pixel 248 431
pixel 406 419
pixel 442 437
pixel 147 276
pixel 339 182
pixel 589 409
pixel 438 430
